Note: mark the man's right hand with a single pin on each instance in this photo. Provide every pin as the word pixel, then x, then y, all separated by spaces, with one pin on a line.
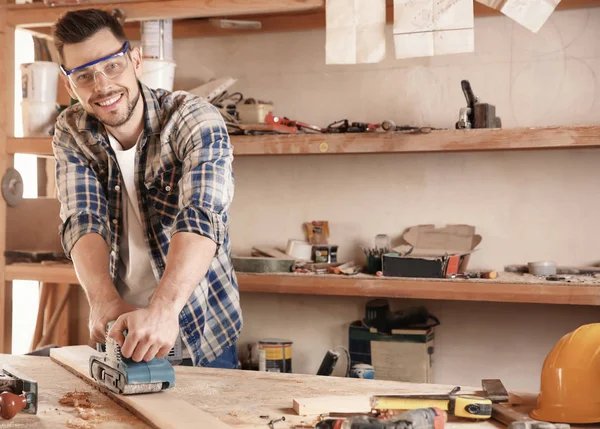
pixel 103 311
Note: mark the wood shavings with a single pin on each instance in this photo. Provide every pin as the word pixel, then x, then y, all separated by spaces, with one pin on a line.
pixel 79 424
pixel 76 399
pixel 87 413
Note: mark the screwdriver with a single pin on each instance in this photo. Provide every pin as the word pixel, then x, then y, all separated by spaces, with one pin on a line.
pixel 422 418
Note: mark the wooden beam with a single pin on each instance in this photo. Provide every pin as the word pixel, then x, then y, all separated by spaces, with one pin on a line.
pixel 161 411
pixel 39 15
pixel 473 140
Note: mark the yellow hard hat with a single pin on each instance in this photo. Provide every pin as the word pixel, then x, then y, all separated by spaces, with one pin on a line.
pixel 570 382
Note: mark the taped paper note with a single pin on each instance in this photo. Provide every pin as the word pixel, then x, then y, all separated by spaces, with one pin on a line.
pixel 355 31
pixel 531 14
pixel 424 28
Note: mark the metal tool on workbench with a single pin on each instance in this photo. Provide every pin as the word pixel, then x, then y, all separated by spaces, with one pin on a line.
pixel 125 376
pixel 18 393
pixel 425 418
pixel 476 114
pixel 468 406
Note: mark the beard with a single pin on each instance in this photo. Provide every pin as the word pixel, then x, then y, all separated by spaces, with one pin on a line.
pixel 122 114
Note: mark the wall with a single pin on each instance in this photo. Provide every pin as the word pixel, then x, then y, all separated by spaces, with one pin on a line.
pixel 527 205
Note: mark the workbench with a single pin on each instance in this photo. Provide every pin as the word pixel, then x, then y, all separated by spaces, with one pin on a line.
pixel 238 398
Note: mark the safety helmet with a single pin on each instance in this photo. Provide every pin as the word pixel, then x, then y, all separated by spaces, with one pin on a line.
pixel 570 381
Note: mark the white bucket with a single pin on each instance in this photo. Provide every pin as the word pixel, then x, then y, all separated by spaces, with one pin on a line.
pixel 38 117
pixel 158 73
pixel 39 81
pixel 157 39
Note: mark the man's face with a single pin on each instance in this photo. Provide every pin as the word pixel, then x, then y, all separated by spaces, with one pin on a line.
pixel 112 101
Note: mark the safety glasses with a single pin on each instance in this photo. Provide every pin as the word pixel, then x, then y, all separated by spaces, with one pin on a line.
pixel 110 66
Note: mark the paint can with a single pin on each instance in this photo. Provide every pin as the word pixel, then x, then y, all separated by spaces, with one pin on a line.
pixel 275 355
pixel 362 370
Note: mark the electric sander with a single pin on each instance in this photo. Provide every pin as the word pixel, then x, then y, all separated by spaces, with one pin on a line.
pixel 125 376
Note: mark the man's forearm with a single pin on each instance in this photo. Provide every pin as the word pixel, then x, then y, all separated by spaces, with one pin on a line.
pixel 190 256
pixel 91 260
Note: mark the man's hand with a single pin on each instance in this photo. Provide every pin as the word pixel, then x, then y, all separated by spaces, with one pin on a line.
pixel 151 332
pixel 103 311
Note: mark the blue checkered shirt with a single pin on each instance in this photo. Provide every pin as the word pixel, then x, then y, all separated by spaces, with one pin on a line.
pixel 184 182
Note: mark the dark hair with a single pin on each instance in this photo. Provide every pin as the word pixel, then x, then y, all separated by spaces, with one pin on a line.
pixel 78 26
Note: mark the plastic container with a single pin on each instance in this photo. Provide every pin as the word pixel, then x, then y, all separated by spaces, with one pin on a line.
pixel 158 73
pixel 38 117
pixel 39 81
pixel 542 268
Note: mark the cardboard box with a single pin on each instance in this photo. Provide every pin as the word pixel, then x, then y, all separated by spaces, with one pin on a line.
pixel 404 355
pixel 432 252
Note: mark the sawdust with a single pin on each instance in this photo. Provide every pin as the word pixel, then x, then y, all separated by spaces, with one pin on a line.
pixel 87 413
pixel 76 399
pixel 79 424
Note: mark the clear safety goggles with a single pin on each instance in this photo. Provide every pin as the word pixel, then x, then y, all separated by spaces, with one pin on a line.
pixel 110 66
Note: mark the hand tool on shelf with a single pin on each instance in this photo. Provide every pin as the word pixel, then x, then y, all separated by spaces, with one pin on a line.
pixel 125 376
pixel 505 413
pixel 390 126
pixel 467 406
pixel 18 393
pixel 474 275
pixel 476 114
pixel 345 126
pixel 425 418
pixel 276 120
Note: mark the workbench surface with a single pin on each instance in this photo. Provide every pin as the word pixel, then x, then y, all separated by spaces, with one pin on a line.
pixel 238 398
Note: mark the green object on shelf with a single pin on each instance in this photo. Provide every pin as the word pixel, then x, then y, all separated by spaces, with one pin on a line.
pixel 373 264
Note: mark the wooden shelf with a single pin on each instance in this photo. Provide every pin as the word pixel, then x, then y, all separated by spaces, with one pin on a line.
pixel 40 15
pixel 559 137
pixel 508 287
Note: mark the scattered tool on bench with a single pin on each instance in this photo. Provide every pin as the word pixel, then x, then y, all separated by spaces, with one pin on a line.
pixel 19 393
pixel 425 418
pixel 476 114
pixel 345 126
pixel 125 376
pixel 475 275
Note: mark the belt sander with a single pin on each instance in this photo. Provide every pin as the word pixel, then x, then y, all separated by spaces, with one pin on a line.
pixel 125 376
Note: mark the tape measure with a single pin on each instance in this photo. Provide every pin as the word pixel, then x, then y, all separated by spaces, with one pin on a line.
pixel 467 406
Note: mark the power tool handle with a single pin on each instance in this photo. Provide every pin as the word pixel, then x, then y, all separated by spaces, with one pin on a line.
pixel 11 404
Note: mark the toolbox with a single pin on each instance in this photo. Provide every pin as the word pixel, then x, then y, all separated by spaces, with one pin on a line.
pixel 431 252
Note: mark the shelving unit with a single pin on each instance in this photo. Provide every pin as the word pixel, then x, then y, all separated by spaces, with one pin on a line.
pixel 380 142
pixel 284 15
pixel 507 288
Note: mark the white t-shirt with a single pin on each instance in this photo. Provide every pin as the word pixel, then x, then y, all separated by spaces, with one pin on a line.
pixel 135 280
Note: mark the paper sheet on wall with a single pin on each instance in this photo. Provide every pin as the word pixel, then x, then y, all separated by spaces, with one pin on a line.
pixel 433 27
pixel 531 14
pixel 355 31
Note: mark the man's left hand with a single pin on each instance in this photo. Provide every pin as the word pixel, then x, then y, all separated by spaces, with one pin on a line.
pixel 152 332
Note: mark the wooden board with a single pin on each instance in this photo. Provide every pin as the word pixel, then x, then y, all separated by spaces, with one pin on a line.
pixel 40 15
pixel 238 398
pixel 53 383
pixel 473 140
pixel 508 287
pixel 162 410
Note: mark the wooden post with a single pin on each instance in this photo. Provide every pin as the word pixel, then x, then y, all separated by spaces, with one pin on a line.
pixel 7 64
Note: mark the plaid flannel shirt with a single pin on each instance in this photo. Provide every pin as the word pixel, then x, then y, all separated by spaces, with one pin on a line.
pixel 184 182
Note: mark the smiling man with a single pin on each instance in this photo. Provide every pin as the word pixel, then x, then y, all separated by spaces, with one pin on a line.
pixel 145 184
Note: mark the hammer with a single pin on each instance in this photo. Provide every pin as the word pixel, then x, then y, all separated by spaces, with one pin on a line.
pixel 504 413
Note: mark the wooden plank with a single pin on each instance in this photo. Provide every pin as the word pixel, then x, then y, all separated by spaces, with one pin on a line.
pixel 508 287
pixel 331 404
pixel 53 383
pixel 474 140
pixel 36 14
pixel 161 411
pixel 298 21
pixel 7 44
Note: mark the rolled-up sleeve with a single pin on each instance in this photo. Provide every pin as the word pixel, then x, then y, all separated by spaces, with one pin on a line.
pixel 83 204
pixel 207 182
